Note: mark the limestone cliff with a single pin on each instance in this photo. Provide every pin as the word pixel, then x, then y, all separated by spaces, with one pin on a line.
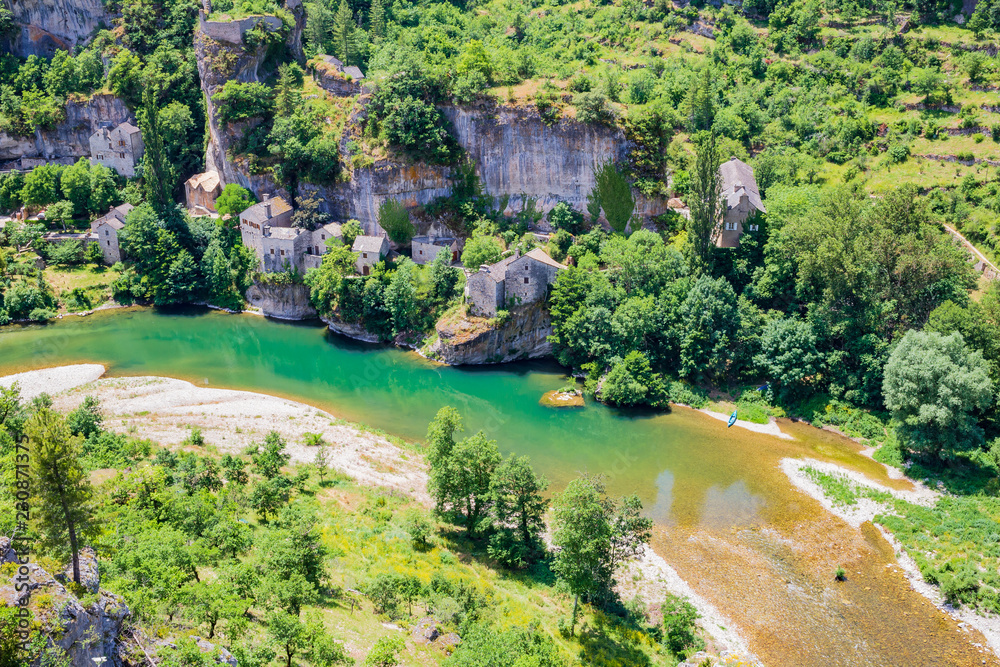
pixel 285 302
pixel 69 139
pixel 48 25
pixel 85 628
pixel 466 340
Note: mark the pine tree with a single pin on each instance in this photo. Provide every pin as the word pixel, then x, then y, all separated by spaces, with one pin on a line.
pixel 343 30
pixel 376 20
pixel 62 488
pixel 157 173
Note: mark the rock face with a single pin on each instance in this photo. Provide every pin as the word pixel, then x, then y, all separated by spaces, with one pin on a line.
pixel 285 302
pixel 70 138
pixel 48 25
pixel 471 340
pixel 83 632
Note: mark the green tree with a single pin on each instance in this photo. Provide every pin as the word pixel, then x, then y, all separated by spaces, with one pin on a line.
pixel 518 512
pixel 705 202
pixel 480 250
pixel 103 190
pixel 385 653
pixel 288 632
pixel 933 384
pixel 484 645
pixel 401 297
pixel 211 603
pixel 701 103
pixel 709 322
pixel 376 20
pixel 594 535
pixel 61 486
pixel 234 199
pixel 76 185
pixel 679 627
pixel 461 483
pixel 343 32
pixel 351 230
pixel 41 186
pixel 269 457
pixel 789 356
pixel 632 381
pixel 157 175
pixel 613 191
pixel 395 220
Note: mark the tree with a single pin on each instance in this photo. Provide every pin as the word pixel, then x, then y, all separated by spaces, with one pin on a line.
pixel 234 470
pixel 351 230
pixel 700 103
pixel 417 527
pixel 708 327
pixel 210 603
pixel 61 486
pixel 679 627
pixel 461 484
pixel 444 277
pixel 60 213
pixel 705 202
pixel 613 192
pixel 789 355
pixel 932 385
pixel 343 32
pixel 103 189
pixel 308 215
pixel 376 20
pixel 485 645
pixel 41 186
pixel 518 512
pixel 593 536
pixel 395 220
pixel 86 420
pixel 480 250
pixel 269 495
pixel 322 461
pixel 270 457
pixel 632 381
pixel 157 173
pixel 385 653
pixel 234 199
pixel 76 184
pixel 288 632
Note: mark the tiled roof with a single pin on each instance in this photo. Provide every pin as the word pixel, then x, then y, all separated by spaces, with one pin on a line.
pixel 543 257
pixel 208 180
pixel 734 173
pixel 284 233
pixel 368 244
pixel 127 128
pixel 256 213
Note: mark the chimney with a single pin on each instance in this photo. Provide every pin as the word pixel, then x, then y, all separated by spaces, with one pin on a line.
pixel 267 208
pixel 485 268
pixel 265 230
pixel 517 252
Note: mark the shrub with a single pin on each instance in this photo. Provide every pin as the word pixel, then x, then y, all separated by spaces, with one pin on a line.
pixel 679 618
pixel 241 101
pixel 593 107
pixel 395 220
pixel 564 216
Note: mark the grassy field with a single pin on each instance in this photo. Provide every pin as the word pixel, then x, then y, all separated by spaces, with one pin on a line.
pixel 94 281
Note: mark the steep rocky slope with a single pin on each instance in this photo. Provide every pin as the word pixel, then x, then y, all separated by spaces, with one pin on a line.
pixel 285 302
pixel 474 340
pixel 47 25
pixel 70 138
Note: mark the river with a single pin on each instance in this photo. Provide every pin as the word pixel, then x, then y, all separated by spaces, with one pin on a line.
pixel 726 516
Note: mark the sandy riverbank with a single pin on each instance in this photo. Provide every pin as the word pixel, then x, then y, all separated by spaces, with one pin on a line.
pixel 165 409
pixel 865 509
pixel 770 428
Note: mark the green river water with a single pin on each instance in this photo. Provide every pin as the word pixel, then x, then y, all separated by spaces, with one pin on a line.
pixel 727 518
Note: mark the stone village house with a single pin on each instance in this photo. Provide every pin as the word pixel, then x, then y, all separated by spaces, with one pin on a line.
pixel 266 228
pixel 106 229
pixel 516 280
pixel 741 199
pixel 371 250
pixel 119 148
pixel 201 191
pixel 426 248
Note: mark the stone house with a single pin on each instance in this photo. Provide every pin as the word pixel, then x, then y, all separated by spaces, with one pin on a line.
pixel 119 148
pixel 266 228
pixel 371 250
pixel 106 230
pixel 741 201
pixel 336 78
pixel 201 191
pixel 317 246
pixel 426 248
pixel 513 281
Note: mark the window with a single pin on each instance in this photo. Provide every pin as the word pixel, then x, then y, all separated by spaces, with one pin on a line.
pixel 107 233
pixel 272 251
pixel 525 280
pixel 282 253
pixel 754 228
pixel 109 244
pixel 364 255
pixel 109 144
pixel 730 226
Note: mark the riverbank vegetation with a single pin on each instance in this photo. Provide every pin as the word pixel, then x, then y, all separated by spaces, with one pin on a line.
pixel 284 563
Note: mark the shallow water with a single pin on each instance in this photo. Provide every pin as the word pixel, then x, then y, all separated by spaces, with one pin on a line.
pixel 727 517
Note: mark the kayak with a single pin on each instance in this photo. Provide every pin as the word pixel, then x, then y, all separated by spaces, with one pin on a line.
pixel 732 419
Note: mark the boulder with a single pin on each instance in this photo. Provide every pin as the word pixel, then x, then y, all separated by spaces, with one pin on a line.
pixel 7 553
pixel 90 576
pixel 426 631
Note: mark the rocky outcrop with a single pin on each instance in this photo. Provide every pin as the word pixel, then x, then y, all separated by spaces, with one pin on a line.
pixel 466 340
pixel 48 25
pixel 84 632
pixel 350 329
pixel 69 139
pixel 285 302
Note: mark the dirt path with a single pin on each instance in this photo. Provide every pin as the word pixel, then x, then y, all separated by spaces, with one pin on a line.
pixel 969 246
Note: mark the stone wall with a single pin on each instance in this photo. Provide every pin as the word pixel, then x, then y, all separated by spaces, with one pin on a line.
pixel 527 281
pixel 334 82
pixel 233 31
pixel 484 294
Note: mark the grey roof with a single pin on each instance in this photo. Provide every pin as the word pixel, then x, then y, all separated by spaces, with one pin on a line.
pixel 256 213
pixel 284 233
pixel 498 271
pixel 738 175
pixel 115 218
pixel 368 244
pixel 354 72
pixel 127 128
pixel 332 60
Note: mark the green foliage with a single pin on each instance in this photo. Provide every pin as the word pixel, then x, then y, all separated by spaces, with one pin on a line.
pixel 614 194
pixel 480 250
pixel 234 199
pixel 385 653
pixel 679 629
pixel 486 646
pixel 395 220
pixel 932 385
pixel 631 381
pixel 238 101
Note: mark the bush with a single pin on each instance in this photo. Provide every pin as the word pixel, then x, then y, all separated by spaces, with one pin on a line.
pixel 679 618
pixel 419 128
pixel 395 220
pixel 234 199
pixel 564 216
pixel 241 101
pixel 385 653
pixel 593 107
pixel 631 381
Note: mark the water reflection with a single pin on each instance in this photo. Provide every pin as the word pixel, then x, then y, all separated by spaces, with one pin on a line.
pixel 660 511
pixel 732 506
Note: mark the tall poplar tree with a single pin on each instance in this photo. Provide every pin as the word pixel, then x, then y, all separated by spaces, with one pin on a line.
pixel 62 490
pixel 343 31
pixel 705 204
pixel 156 173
